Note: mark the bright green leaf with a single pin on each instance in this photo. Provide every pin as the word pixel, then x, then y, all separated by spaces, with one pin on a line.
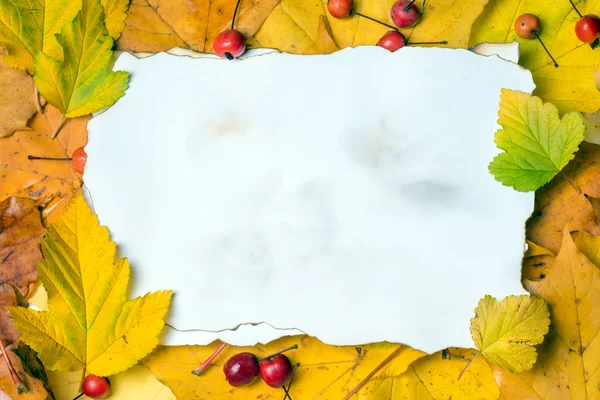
pixel 83 83
pixel 537 143
pixel 505 332
pixel 90 324
pixel 29 26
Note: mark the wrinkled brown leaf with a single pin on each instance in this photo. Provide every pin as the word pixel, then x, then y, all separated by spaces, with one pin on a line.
pixel 16 99
pixel 155 26
pixel 20 233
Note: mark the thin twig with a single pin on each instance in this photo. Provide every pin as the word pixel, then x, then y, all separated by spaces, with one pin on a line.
pixel 545 48
pixel 294 347
pixel 36 100
pixel 235 12
pixel 576 10
pixel 198 371
pixel 468 365
pixel 374 20
pixel 21 388
pixel 287 390
pixel 57 128
pixel 377 368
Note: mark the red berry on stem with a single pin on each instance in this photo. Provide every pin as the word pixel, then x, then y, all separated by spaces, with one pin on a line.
pixel 340 8
pixel 404 13
pixel 241 369
pixel 230 44
pixel 276 372
pixel 96 387
pixel 587 28
pixel 78 158
pixel 528 26
pixel 392 41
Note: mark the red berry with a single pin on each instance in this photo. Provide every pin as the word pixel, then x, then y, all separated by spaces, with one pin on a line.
pixel 78 159
pixel 393 40
pixel 404 13
pixel 230 44
pixel 277 371
pixel 96 387
pixel 241 369
pixel 588 28
pixel 527 26
pixel 340 8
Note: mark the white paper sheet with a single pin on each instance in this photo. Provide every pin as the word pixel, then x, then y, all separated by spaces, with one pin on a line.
pixel 344 195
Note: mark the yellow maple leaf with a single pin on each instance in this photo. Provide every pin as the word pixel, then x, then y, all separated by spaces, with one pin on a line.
pixel 90 324
pixel 571 86
pixel 505 332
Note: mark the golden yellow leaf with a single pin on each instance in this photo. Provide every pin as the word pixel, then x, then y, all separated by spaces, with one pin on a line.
pixel 536 261
pixel 571 86
pixel 505 332
pixel 323 44
pixel 136 382
pixel 434 377
pixel 16 97
pixel 568 366
pixel 115 13
pixel 22 177
pixel 294 25
pixel 154 26
pixel 90 324
pixel 325 372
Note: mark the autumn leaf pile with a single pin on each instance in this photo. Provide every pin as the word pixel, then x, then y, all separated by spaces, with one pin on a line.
pixel 64 48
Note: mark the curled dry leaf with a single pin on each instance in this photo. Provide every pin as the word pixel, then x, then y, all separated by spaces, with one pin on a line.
pixel 16 97
pixel 568 365
pixel 33 179
pixel 155 26
pixel 20 233
pixel 570 87
pixel 28 370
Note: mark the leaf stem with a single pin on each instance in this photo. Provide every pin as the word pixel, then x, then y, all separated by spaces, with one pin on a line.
pixel 21 388
pixel 373 19
pixel 468 365
pixel 407 8
pixel 235 13
pixel 416 43
pixel 377 368
pixel 198 371
pixel 570 182
pixel 78 396
pixel 576 10
pixel 294 347
pixel 58 126
pixel 36 100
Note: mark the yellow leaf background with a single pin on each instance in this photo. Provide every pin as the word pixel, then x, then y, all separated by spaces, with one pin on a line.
pixel 304 27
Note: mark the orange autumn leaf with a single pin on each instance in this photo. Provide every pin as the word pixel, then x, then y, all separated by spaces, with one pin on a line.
pixel 16 98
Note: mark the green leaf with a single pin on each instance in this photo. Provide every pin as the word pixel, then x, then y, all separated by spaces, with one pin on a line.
pixel 83 83
pixel 90 323
pixel 506 332
pixel 537 143
pixel 29 26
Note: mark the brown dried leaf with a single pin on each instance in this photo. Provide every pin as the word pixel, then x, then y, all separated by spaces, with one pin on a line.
pixel 29 372
pixel 37 179
pixel 154 26
pixel 557 203
pixel 20 233
pixel 16 99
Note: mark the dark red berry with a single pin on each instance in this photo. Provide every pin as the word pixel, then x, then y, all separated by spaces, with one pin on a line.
pixel 277 371
pixel 404 13
pixel 587 28
pixel 230 44
pixel 241 369
pixel 96 387
pixel 340 8
pixel 393 40
pixel 79 158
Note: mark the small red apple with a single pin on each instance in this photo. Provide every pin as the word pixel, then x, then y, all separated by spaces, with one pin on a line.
pixel 277 371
